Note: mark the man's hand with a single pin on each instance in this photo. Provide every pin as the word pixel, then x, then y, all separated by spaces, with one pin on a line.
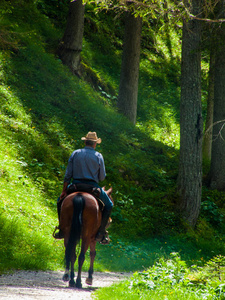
pixel 63 195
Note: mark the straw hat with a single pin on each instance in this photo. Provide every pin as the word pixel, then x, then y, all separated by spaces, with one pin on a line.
pixel 92 136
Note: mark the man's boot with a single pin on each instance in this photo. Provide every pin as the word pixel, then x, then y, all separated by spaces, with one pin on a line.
pixel 102 235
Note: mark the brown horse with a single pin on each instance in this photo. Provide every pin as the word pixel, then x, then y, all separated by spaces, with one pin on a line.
pixel 80 219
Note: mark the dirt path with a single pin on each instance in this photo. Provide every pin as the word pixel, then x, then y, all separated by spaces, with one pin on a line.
pixel 49 285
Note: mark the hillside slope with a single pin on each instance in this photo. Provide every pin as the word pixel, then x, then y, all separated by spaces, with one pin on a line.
pixel 44 113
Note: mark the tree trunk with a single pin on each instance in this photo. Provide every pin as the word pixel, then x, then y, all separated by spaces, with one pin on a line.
pixel 207 141
pixel 190 164
pixel 71 43
pixel 128 90
pixel 217 168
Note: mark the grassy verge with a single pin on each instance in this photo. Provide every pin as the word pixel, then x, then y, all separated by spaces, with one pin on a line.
pixel 171 279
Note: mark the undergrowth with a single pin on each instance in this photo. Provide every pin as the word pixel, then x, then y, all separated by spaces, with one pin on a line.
pixel 171 278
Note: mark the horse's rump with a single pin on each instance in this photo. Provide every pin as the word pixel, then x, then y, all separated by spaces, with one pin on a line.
pixel 80 212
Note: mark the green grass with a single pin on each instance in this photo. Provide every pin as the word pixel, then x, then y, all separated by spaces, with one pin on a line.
pixel 170 278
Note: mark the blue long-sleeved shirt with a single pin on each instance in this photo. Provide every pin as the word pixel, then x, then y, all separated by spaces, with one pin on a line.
pixel 85 163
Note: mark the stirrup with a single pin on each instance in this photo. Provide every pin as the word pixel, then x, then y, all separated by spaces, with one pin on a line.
pixel 103 238
pixel 58 235
pixel 105 241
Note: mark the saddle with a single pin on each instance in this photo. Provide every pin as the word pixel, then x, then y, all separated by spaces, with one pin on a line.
pixel 88 188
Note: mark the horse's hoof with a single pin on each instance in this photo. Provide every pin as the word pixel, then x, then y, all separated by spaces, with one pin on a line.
pixel 66 277
pixel 89 281
pixel 72 283
pixel 78 284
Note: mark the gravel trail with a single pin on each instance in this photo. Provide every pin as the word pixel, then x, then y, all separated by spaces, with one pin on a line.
pixel 38 285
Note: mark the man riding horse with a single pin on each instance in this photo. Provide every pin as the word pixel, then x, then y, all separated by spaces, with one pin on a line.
pixel 86 166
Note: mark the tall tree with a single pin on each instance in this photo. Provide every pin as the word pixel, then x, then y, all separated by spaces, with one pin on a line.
pixel 207 141
pixel 137 10
pixel 71 44
pixel 128 89
pixel 190 163
pixel 217 168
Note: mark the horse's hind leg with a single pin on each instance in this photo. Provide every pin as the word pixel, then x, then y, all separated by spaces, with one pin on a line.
pixel 73 259
pixel 70 260
pixel 80 264
pixel 81 259
pixel 92 258
pixel 66 275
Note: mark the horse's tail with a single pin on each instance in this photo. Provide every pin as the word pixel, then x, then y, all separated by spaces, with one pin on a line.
pixel 76 226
